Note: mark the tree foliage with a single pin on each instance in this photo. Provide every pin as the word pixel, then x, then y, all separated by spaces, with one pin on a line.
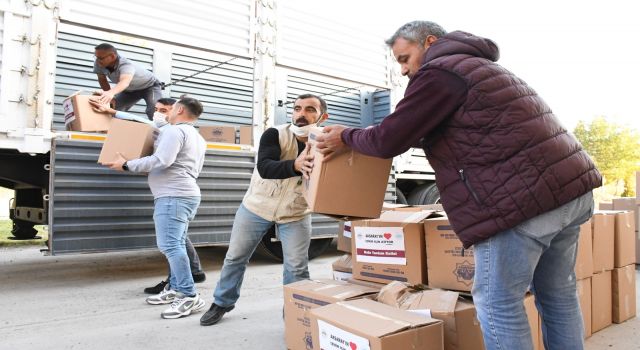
pixel 615 149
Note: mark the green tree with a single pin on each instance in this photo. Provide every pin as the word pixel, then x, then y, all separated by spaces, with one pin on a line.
pixel 615 149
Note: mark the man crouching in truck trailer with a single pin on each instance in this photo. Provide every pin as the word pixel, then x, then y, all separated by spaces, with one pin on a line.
pixel 163 109
pixel 514 183
pixel 173 169
pixel 275 198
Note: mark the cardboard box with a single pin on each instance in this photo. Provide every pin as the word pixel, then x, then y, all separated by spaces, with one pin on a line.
pixel 584 295
pixel 344 237
pixel 80 116
pixel 584 257
pixel 624 252
pixel 624 293
pixel 603 224
pixel 132 139
pixel 461 327
pixel 534 322
pixel 246 135
pixel 601 301
pixel 348 185
pixel 302 296
pixel 449 265
pixel 218 133
pixel 605 206
pixel 390 248
pixel 367 324
pixel 343 268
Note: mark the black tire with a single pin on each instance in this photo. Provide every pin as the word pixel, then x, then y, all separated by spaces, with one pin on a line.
pixel 273 250
pixel 23 230
pixel 400 198
pixel 432 196
pixel 424 194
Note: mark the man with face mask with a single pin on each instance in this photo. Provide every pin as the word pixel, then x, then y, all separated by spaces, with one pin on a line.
pixel 163 108
pixel 173 168
pixel 274 198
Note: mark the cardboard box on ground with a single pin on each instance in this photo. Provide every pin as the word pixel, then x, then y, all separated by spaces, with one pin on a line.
pixel 461 327
pixel 227 134
pixel 300 297
pixel 390 248
pixel 583 287
pixel 348 185
pixel 80 116
pixel 367 324
pixel 131 139
pixel 624 293
pixel 601 301
pixel 343 268
pixel 449 265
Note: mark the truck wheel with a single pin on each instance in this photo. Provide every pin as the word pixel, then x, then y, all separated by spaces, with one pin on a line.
pixel 400 198
pixel 23 230
pixel 273 250
pixel 424 194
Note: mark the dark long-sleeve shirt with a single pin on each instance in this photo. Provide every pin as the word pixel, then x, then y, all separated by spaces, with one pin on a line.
pixel 431 97
pixel 269 164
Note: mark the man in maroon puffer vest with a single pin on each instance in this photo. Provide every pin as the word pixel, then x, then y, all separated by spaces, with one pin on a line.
pixel 515 184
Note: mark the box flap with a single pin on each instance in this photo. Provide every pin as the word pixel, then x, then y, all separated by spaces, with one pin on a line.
pixel 338 290
pixel 403 217
pixel 379 319
pixel 406 297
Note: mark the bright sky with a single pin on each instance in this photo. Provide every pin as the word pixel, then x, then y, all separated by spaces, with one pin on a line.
pixel 582 57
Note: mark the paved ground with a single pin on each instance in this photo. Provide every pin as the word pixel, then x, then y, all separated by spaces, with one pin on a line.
pixel 95 301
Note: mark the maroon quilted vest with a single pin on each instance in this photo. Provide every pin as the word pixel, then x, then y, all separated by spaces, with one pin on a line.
pixel 503 157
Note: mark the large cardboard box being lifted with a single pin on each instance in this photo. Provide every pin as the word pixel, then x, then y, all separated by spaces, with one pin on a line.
pixel 369 325
pixel 302 296
pixel 348 185
pixel 624 293
pixel 80 116
pixel 461 327
pixel 131 139
pixel 449 265
pixel 390 248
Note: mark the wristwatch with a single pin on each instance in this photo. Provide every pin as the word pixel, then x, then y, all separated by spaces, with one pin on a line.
pixel 125 167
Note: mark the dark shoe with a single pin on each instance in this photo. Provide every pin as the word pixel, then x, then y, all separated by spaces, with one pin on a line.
pixel 199 277
pixel 156 289
pixel 214 315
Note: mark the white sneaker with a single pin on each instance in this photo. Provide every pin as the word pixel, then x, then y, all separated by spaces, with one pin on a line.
pixel 183 306
pixel 167 296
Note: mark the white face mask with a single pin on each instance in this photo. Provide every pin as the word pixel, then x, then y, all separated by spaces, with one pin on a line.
pixel 302 131
pixel 159 119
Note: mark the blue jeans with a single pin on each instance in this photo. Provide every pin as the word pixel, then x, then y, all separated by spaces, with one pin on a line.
pixel 171 217
pixel 540 255
pixel 194 259
pixel 248 229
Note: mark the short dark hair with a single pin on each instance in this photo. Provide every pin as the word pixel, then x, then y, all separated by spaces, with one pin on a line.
pixel 167 101
pixel 323 103
pixel 417 32
pixel 192 105
pixel 106 47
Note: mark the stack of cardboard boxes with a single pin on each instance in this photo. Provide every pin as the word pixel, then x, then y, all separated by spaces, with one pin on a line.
pixel 412 257
pixel 605 269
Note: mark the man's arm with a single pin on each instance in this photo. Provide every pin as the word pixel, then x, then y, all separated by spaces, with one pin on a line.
pixel 170 143
pixel 104 84
pixel 432 97
pixel 269 164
